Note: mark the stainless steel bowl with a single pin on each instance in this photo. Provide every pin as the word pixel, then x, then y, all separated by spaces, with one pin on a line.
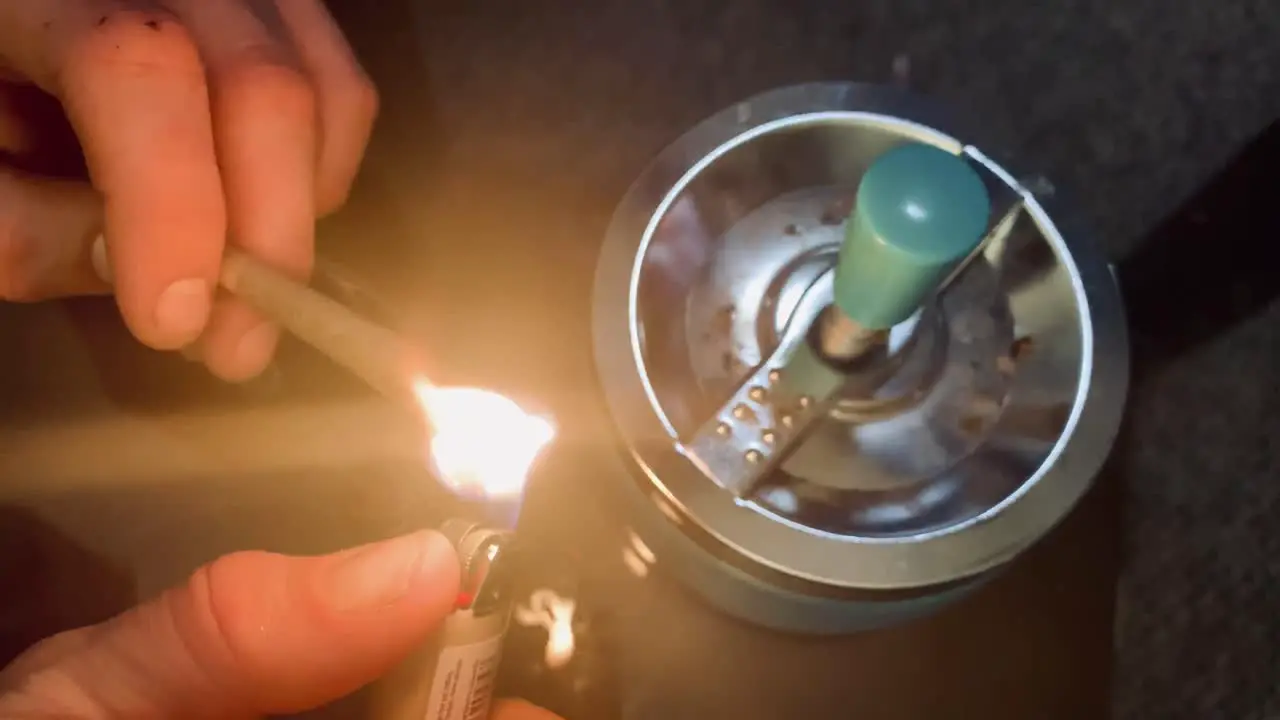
pixel 892 509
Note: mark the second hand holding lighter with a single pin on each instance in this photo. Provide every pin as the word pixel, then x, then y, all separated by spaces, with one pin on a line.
pixel 482 446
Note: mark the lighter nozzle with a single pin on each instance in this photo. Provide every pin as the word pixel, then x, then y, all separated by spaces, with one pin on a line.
pixel 483 554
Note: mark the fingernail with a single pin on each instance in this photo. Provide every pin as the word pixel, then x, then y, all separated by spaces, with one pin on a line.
pixel 183 309
pixel 254 352
pixel 383 573
pixel 101 263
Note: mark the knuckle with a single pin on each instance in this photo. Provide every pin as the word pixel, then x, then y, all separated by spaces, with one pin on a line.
pixel 18 248
pixel 358 93
pixel 221 637
pixel 136 43
pixel 351 111
pixel 44 687
pixel 265 82
pixel 48 653
pixel 16 283
pixel 333 194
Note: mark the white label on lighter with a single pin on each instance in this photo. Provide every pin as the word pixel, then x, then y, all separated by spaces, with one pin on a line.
pixel 463 685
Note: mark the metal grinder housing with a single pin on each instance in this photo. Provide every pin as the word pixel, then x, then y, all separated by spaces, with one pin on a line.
pixel 994 405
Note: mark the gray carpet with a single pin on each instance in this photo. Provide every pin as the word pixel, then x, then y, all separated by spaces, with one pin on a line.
pixel 1198 625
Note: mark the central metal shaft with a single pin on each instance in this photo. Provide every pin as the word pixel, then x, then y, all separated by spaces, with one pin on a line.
pixel 920 211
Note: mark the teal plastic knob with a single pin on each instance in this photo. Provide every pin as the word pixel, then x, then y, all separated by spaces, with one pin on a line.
pixel 920 210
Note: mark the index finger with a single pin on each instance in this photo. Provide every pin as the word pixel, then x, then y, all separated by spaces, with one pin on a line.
pixel 132 84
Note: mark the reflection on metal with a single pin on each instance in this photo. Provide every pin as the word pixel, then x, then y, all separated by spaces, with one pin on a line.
pixel 548 610
pixel 731 447
pixel 637 557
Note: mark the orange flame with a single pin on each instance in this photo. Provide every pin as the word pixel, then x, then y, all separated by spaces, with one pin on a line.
pixel 482 443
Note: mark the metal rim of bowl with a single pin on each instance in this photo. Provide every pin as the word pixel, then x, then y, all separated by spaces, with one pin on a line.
pixel 837 562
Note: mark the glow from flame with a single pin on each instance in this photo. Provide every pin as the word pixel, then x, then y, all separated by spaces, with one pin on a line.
pixel 482 443
pixel 560 642
pixel 548 610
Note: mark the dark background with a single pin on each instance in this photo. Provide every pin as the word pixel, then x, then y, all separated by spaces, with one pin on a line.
pixel 511 129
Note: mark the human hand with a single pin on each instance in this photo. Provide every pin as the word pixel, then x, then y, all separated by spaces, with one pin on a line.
pixel 199 121
pixel 250 634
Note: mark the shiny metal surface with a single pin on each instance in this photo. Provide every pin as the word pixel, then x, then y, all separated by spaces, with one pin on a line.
pixel 749 435
pixel 1053 410
pixel 776 278
pixel 905 417
pixel 484 555
pixel 895 467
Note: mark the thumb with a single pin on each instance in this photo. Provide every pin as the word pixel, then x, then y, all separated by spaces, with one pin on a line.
pixel 47 230
pixel 254 633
